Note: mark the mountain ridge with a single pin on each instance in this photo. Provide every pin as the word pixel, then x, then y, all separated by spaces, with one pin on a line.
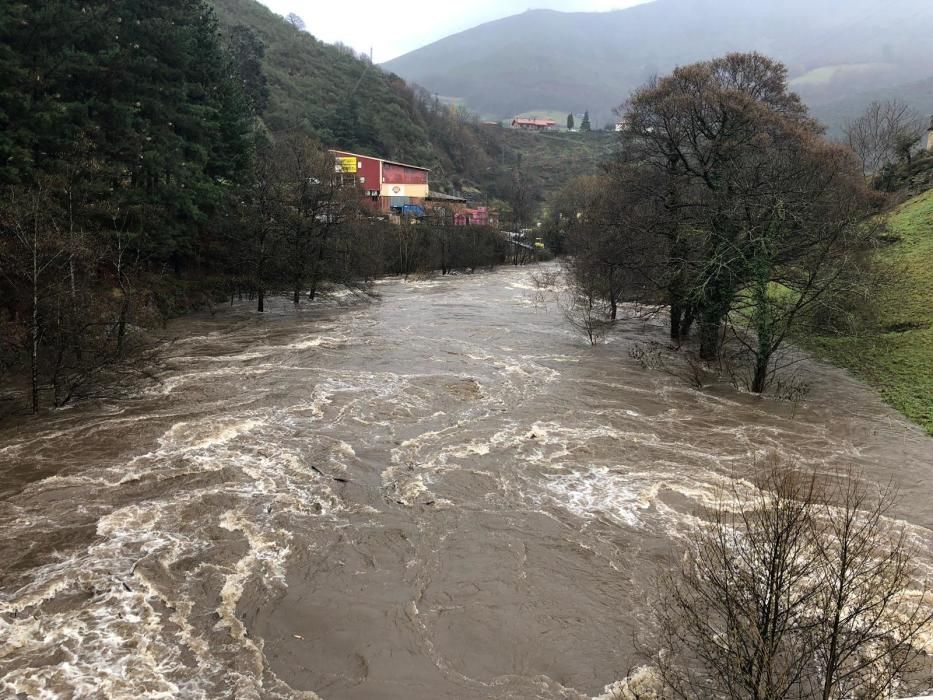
pixel 583 60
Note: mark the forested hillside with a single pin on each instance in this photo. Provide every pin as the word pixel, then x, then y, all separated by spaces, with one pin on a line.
pixel 344 101
pixel 154 159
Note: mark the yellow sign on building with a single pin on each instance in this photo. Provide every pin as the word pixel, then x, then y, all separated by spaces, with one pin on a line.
pixel 346 164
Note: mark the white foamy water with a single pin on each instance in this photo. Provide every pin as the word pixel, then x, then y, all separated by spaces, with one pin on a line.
pixel 443 494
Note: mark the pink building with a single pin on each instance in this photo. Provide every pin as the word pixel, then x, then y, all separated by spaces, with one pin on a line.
pixel 472 217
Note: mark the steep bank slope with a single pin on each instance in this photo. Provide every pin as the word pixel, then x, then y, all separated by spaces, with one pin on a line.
pixel 899 360
pixel 328 92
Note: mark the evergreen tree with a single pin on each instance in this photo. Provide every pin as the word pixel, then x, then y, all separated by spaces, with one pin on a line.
pixel 585 124
pixel 246 54
pixel 134 98
pixel 570 122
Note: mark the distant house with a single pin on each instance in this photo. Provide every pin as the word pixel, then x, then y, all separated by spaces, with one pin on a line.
pixel 462 215
pixel 533 124
pixel 479 216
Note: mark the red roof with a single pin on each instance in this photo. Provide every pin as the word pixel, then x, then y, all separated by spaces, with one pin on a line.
pixel 533 122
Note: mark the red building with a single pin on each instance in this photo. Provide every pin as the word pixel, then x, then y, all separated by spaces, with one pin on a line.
pixel 533 124
pixel 386 185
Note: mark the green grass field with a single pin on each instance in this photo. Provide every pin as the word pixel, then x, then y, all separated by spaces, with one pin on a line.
pixel 899 363
pixel 554 158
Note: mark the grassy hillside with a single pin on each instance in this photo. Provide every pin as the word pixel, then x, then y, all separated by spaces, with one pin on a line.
pixel 551 159
pixel 311 81
pixel 576 61
pixel 899 362
pixel 344 101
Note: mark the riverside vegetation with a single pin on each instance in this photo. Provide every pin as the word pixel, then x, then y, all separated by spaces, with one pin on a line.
pixel 151 162
pixel 154 160
pixel 727 206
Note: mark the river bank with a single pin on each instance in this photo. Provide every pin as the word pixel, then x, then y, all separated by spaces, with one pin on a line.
pixel 897 358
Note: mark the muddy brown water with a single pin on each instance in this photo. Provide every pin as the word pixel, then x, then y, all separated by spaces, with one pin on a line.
pixel 442 494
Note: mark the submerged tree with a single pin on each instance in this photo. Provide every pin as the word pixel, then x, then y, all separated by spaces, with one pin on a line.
pixel 705 129
pixel 727 205
pixel 313 206
pixel 32 253
pixel 796 587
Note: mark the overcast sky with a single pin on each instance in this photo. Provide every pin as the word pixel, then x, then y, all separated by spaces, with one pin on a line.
pixel 394 28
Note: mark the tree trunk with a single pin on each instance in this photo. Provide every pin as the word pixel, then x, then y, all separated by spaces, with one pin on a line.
pixel 686 323
pixel 261 296
pixel 710 325
pixel 34 354
pixel 764 326
pixel 760 379
pixel 677 313
pixel 121 325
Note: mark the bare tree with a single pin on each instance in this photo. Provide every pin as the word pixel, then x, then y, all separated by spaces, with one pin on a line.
pixel 409 237
pixel 583 306
pixel 702 131
pixel 32 246
pixel 296 21
pixel 802 233
pixel 727 201
pixel 884 133
pixel 313 206
pixel 261 216
pixel 868 623
pixel 796 587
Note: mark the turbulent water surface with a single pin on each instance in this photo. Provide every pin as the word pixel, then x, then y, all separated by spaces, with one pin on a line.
pixel 443 494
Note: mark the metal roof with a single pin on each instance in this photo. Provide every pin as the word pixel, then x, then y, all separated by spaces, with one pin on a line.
pixel 383 160
pixel 441 197
pixel 534 122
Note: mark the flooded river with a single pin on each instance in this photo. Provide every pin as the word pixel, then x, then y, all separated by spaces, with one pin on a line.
pixel 442 494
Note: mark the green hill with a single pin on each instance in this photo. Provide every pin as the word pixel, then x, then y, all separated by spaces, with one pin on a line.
pixel 347 102
pixel 552 159
pixel 899 359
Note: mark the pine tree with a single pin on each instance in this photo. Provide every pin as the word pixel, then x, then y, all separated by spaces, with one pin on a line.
pixel 137 95
pixel 246 54
pixel 585 124
pixel 570 122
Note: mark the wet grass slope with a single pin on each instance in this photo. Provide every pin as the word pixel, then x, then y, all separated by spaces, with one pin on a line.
pixel 899 360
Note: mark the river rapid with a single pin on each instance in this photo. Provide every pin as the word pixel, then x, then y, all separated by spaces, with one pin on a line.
pixel 442 494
